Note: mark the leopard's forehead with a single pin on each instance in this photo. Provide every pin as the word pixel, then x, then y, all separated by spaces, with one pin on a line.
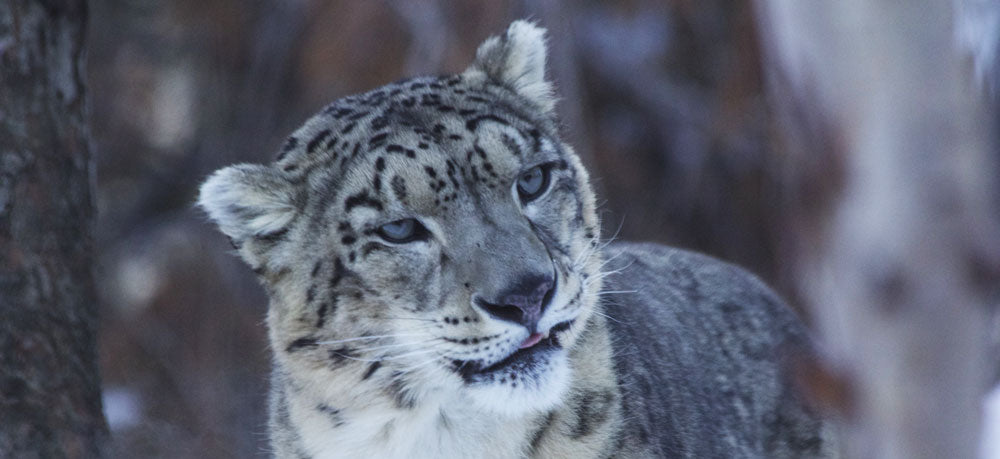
pixel 428 135
pixel 434 111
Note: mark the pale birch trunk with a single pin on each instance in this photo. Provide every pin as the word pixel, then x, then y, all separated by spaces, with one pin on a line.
pixel 898 273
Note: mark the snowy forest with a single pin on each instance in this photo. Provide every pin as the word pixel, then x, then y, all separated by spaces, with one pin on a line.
pixel 845 152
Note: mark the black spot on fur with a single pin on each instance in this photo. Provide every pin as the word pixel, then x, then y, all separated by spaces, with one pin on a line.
pixel 400 394
pixel 316 268
pixel 340 355
pixel 472 124
pixel 348 240
pixel 361 199
pixel 290 144
pixel 592 408
pixel 399 187
pixel 332 413
pixel 338 113
pixel 321 314
pixel 274 237
pixel 377 140
pixel 310 294
pixel 301 343
pixel 380 164
pixel 339 271
pixel 511 145
pixel 371 370
pixel 320 137
pixel 347 129
pixel 430 99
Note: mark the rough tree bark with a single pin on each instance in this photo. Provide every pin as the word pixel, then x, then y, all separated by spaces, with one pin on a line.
pixel 898 274
pixel 50 401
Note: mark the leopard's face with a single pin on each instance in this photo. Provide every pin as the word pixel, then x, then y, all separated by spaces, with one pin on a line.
pixel 430 237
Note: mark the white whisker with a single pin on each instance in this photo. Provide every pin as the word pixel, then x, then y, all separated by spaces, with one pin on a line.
pixel 604 292
pixel 361 338
pixel 391 346
pixel 387 358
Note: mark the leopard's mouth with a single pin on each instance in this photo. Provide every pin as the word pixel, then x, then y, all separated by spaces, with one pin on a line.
pixel 521 361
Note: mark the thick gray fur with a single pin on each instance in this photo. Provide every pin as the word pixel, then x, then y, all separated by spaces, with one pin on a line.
pixel 701 349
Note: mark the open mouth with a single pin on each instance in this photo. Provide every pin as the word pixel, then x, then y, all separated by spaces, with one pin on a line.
pixel 529 355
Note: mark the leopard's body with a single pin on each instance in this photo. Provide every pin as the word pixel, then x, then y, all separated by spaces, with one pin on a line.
pixel 432 257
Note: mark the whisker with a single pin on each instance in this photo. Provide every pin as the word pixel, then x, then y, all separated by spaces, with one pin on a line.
pixel 402 318
pixel 361 338
pixel 390 346
pixel 595 311
pixel 420 365
pixel 386 358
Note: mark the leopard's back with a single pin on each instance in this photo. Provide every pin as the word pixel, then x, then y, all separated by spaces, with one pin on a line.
pixel 702 352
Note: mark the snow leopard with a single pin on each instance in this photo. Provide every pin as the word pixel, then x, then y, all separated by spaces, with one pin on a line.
pixel 439 288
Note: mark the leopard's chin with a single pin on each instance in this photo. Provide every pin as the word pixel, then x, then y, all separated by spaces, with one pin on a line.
pixel 530 380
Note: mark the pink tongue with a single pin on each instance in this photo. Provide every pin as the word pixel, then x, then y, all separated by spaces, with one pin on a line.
pixel 531 340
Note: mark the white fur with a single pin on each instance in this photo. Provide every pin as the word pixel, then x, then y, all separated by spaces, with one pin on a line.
pixel 539 394
pixel 419 432
pixel 251 190
pixel 518 61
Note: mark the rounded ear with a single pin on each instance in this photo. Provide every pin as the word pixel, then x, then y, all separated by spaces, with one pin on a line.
pixel 517 60
pixel 248 200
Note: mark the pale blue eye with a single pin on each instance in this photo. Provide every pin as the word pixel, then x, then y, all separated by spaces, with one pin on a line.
pixel 532 183
pixel 405 230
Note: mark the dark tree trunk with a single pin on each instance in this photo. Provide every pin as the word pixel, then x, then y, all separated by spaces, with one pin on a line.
pixel 50 400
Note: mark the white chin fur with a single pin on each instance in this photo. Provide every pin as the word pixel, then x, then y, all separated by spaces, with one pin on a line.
pixel 540 393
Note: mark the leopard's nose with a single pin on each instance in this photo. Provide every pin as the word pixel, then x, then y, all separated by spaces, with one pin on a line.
pixel 523 303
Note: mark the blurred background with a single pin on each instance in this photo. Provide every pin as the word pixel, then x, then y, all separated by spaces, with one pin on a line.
pixel 662 99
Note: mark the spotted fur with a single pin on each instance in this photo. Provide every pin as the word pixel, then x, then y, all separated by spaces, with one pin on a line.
pixel 437 347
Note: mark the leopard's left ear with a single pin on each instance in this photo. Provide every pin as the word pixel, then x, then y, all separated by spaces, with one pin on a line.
pixel 517 60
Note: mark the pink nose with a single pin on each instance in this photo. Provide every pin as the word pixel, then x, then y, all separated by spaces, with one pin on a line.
pixel 524 304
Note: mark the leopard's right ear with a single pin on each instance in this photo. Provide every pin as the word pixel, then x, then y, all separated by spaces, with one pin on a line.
pixel 248 201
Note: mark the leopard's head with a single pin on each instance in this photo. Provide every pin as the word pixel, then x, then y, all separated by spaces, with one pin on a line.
pixel 433 236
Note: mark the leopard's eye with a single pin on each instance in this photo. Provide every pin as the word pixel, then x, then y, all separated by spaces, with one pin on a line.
pixel 402 231
pixel 532 183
